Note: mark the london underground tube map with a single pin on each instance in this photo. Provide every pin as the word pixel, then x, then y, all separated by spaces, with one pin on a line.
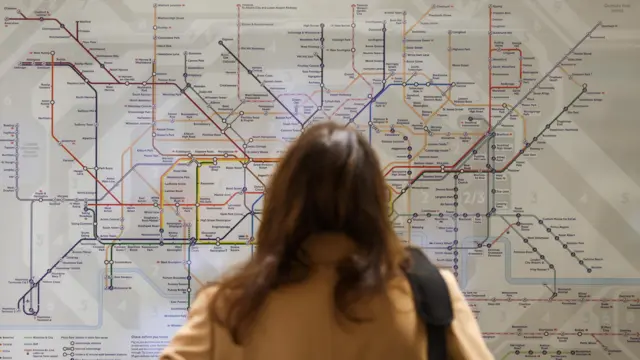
pixel 136 139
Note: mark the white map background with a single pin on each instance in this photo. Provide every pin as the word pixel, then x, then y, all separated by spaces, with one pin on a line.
pixel 135 142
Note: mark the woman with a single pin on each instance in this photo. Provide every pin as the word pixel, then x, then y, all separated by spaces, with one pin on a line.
pixel 326 280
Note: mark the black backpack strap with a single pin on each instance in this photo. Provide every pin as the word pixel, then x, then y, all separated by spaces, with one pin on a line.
pixel 432 301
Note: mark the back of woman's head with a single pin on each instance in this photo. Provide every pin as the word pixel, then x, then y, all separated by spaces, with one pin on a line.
pixel 329 181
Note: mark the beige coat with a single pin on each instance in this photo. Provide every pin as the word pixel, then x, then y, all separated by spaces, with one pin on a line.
pixel 298 323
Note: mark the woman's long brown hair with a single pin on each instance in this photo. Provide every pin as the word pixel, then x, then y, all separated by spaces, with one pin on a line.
pixel 329 181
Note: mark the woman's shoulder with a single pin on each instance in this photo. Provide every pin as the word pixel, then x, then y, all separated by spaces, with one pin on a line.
pixel 202 299
pixel 452 283
pixel 466 341
pixel 211 299
pixel 207 291
pixel 448 277
pixel 458 300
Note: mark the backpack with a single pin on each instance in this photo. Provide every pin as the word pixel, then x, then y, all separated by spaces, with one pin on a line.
pixel 432 302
